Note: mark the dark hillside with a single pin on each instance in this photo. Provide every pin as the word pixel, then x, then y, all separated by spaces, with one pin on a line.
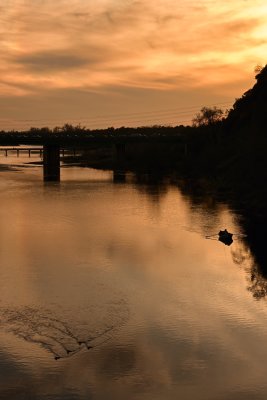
pixel 245 137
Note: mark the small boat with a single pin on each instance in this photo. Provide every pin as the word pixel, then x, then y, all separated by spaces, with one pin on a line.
pixel 226 237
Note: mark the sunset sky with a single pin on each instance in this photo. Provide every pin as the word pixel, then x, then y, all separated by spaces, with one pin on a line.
pixel 125 62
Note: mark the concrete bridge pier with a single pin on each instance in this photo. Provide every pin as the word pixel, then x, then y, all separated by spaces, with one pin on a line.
pixel 119 171
pixel 120 154
pixel 119 176
pixel 51 162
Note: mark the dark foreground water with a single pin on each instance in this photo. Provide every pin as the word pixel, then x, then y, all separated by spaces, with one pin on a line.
pixel 112 291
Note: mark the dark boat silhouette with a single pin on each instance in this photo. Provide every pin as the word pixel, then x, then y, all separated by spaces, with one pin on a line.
pixel 226 237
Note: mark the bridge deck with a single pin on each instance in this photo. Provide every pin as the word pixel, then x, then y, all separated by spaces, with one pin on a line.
pixel 66 140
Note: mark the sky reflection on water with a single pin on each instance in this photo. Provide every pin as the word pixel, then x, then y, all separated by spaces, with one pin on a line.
pixel 121 284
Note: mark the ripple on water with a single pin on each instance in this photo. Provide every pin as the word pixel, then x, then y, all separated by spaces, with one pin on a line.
pixel 63 330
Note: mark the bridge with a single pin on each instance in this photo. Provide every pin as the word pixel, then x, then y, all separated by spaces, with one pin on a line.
pixel 30 150
pixel 51 145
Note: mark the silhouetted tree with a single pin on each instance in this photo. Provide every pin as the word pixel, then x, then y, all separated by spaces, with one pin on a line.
pixel 258 69
pixel 208 116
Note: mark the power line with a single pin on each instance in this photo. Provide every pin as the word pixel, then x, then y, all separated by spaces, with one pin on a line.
pixel 106 120
pixel 171 112
pixel 149 117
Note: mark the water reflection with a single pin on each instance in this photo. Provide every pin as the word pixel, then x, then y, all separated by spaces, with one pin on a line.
pixel 250 249
pixel 136 303
pixel 241 254
pixel 42 327
pixel 257 279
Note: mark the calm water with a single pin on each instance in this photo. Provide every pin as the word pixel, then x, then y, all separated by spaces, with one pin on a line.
pixel 112 291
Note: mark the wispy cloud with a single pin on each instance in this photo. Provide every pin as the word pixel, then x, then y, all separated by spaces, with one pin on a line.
pixel 163 45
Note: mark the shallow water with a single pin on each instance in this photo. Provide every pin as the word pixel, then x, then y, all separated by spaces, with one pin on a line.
pixel 113 291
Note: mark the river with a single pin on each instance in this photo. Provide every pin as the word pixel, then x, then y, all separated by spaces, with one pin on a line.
pixel 113 291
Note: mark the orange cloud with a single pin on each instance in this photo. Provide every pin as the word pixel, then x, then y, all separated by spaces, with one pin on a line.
pixel 167 45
